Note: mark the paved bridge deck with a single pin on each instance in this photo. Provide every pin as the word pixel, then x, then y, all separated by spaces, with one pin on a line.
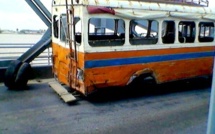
pixel 176 108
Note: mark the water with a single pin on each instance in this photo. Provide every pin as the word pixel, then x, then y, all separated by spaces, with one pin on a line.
pixel 11 47
pixel 19 38
pixel 6 40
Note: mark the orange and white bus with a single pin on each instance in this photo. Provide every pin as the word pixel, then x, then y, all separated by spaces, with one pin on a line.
pixel 103 43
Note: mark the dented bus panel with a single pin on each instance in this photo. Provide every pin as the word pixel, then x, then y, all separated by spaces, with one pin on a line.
pixel 107 43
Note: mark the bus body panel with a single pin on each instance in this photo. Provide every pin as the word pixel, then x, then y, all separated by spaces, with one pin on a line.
pixel 181 45
pixel 103 69
pixel 117 68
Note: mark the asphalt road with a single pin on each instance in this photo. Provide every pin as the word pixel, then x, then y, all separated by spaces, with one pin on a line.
pixel 172 108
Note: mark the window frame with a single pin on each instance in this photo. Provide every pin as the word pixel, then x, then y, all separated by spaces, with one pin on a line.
pixel 206 39
pixel 188 31
pixel 165 38
pixel 56 26
pixel 136 38
pixel 104 40
pixel 64 30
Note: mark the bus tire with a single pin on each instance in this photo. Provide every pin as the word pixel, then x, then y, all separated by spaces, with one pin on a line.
pixel 23 75
pixel 11 72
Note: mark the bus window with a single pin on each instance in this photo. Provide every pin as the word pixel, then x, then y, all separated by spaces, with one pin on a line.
pixel 168 32
pixel 143 32
pixel 206 32
pixel 186 31
pixel 63 29
pixel 106 32
pixel 55 26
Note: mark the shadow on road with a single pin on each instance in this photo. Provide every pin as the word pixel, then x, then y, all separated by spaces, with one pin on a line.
pixel 149 88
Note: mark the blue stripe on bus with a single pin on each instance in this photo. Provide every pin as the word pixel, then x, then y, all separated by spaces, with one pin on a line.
pixel 145 59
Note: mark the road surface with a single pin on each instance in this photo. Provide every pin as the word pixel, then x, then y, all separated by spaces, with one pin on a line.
pixel 172 108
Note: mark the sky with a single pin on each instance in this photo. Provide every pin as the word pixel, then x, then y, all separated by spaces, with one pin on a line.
pixel 17 14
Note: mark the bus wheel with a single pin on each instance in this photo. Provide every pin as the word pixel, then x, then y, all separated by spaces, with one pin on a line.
pixel 11 72
pixel 23 75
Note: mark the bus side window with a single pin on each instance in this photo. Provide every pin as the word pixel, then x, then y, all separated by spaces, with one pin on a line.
pixel 187 32
pixel 168 32
pixel 106 32
pixel 63 28
pixel 206 32
pixel 78 30
pixel 143 32
pixel 56 26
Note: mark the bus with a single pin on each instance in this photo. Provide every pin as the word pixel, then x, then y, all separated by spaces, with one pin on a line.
pixel 105 43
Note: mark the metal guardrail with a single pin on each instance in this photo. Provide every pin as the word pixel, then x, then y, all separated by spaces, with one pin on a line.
pixel 11 51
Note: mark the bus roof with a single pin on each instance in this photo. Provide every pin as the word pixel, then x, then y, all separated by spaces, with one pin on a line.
pixel 133 6
pixel 182 2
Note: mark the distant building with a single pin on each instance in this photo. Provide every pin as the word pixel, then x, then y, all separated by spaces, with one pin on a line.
pixel 27 31
pixel 7 31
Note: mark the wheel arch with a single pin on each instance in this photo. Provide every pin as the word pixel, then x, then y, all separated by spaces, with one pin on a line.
pixel 143 73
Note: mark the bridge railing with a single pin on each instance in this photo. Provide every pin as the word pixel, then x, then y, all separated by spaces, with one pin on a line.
pixel 11 51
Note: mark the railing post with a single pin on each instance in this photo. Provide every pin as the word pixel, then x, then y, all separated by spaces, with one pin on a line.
pixel 48 56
